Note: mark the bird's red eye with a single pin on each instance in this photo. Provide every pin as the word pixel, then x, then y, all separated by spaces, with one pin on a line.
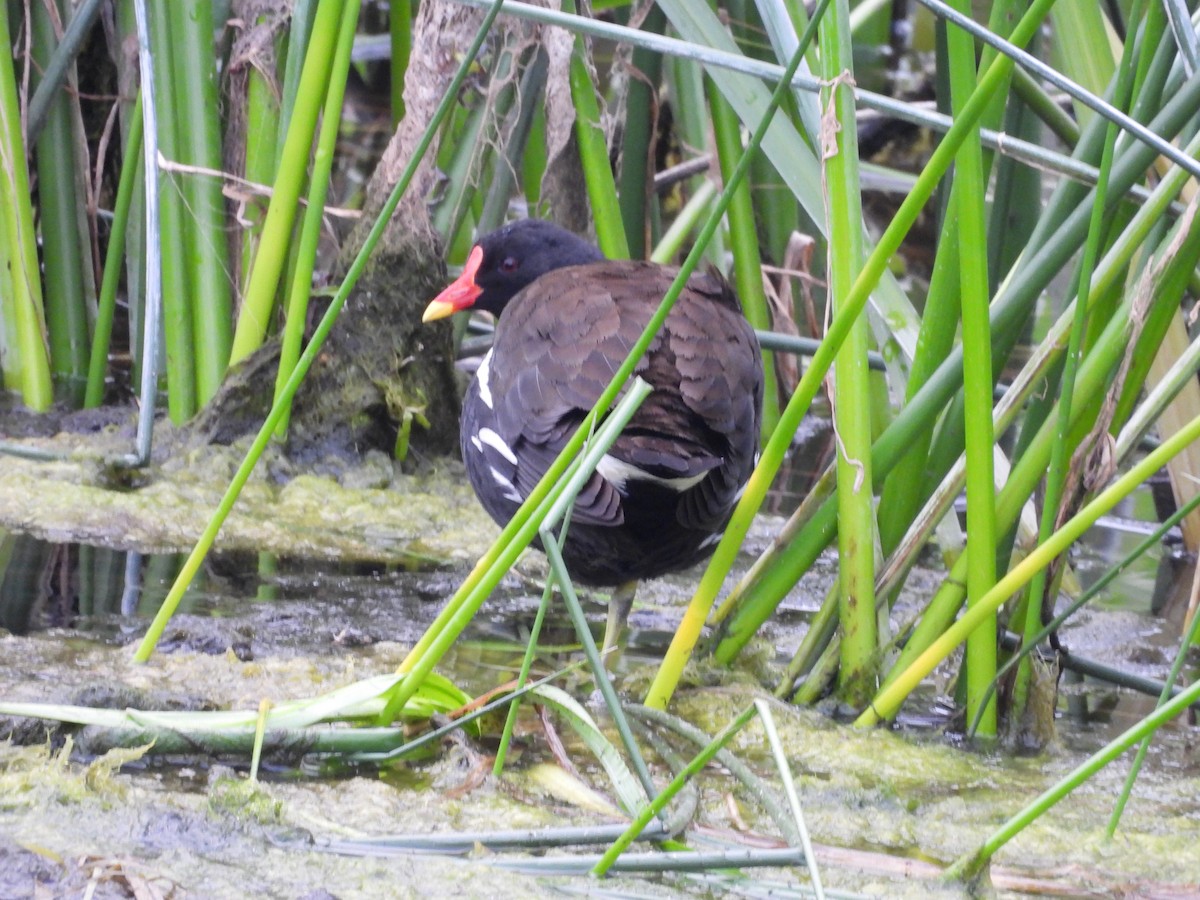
pixel 509 264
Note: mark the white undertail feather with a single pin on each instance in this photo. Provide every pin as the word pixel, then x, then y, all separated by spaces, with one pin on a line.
pixel 619 473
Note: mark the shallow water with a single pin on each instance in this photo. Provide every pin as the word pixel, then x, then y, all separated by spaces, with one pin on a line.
pixel 256 625
pixel 260 604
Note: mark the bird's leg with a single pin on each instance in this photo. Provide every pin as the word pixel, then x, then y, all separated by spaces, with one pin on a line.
pixel 618 615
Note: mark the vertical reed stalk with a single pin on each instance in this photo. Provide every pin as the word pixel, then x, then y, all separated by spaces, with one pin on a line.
pixel 25 358
pixel 206 245
pixel 259 302
pixel 261 140
pixel 178 322
pixel 852 404
pixel 113 259
pixel 593 153
pixel 636 179
pixel 64 253
pixel 318 188
pixel 977 382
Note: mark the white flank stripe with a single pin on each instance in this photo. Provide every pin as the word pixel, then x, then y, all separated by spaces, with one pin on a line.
pixel 493 440
pixel 620 473
pixel 481 375
pixel 507 490
pixel 476 443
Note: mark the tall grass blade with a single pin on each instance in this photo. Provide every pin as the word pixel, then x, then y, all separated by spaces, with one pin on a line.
pixel 857 675
pixel 177 294
pixel 259 301
pixel 64 255
pixel 114 259
pixel 743 238
pixel 977 382
pixel 314 211
pixel 593 153
pixel 887 702
pixel 24 355
pixel 206 246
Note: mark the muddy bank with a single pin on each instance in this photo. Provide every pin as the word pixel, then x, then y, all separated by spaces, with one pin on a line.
pixel 336 509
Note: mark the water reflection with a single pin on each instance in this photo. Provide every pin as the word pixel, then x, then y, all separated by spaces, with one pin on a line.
pixel 80 586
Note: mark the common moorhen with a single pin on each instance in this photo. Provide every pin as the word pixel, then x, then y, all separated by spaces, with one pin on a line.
pixel 660 498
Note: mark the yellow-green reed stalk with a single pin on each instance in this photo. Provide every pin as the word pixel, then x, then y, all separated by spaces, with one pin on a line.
pixel 887 702
pixel 852 399
pixel 113 258
pixel 1054 247
pixel 304 12
pixel 593 153
pixel 977 381
pixel 26 363
pixel 688 630
pixel 194 560
pixel 906 486
pixel 65 257
pixel 1060 455
pixel 743 239
pixel 921 654
pixel 259 302
pixel 774 452
pixel 192 57
pixel 177 299
pixel 318 189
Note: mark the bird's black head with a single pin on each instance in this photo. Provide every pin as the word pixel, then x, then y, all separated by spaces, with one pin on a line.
pixel 506 261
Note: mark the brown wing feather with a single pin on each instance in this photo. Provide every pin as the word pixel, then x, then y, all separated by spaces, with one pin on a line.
pixel 563 338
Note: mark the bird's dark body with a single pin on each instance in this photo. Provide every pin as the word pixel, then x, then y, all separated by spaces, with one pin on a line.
pixel 664 494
